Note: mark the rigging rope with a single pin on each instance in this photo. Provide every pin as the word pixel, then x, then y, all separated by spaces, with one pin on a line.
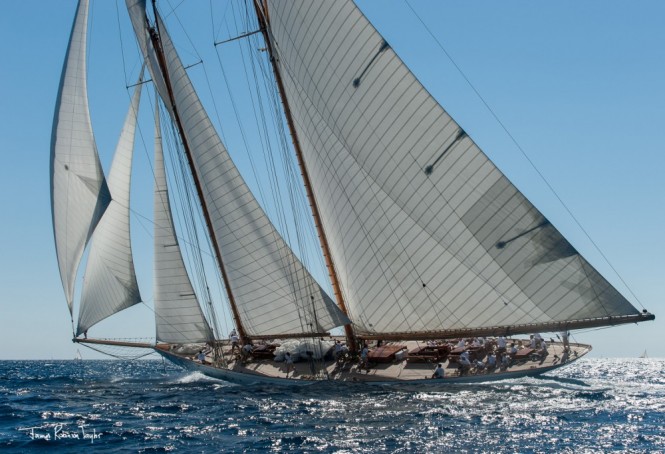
pixel 262 125
pixel 121 352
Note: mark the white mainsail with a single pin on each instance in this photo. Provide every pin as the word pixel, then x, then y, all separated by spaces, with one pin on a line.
pixel 79 194
pixel 178 316
pixel 110 281
pixel 274 293
pixel 427 235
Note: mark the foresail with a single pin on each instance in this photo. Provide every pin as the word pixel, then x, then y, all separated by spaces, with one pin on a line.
pixel 79 194
pixel 427 235
pixel 110 281
pixel 274 293
pixel 178 316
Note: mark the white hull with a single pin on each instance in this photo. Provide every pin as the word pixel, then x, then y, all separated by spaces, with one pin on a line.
pixel 242 376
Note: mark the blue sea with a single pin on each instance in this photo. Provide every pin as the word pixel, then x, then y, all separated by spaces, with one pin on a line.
pixel 594 405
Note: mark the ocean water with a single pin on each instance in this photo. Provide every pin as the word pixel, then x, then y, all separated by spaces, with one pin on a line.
pixel 595 405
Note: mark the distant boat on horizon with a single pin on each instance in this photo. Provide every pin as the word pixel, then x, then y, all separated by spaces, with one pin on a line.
pixel 644 355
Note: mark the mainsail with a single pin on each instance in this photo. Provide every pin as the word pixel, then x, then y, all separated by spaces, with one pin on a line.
pixel 427 235
pixel 79 194
pixel 274 293
pixel 178 316
pixel 110 281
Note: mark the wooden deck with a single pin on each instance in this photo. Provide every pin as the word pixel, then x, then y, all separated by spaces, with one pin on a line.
pixel 385 366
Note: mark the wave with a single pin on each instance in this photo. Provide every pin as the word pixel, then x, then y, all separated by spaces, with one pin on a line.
pixel 198 377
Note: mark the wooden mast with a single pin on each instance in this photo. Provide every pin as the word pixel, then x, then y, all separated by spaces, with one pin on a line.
pixel 157 45
pixel 262 16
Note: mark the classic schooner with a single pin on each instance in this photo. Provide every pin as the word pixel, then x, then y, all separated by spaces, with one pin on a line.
pixel 433 255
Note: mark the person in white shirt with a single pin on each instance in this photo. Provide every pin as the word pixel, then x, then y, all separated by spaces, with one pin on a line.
pixel 234 340
pixel 480 366
pixel 543 347
pixel 246 351
pixel 464 362
pixel 438 372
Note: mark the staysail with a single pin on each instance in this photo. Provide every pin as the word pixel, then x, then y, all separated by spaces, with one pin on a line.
pixel 110 281
pixel 79 194
pixel 427 235
pixel 274 293
pixel 178 316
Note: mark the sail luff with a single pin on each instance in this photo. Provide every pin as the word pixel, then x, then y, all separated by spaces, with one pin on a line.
pixel 110 283
pixel 79 194
pixel 262 15
pixel 178 315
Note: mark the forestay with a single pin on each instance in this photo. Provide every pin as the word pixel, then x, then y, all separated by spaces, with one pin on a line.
pixel 79 194
pixel 110 281
pixel 274 293
pixel 427 235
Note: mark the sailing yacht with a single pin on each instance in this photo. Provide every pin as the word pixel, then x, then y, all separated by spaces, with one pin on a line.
pixel 433 255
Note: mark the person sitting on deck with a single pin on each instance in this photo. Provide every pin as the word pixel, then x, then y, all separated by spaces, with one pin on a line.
pixel 201 357
pixel 464 362
pixel 513 350
pixel 438 372
pixel 479 365
pixel 532 342
pixel 461 343
pixel 501 344
pixel 505 362
pixel 246 352
pixel 543 348
pixel 491 362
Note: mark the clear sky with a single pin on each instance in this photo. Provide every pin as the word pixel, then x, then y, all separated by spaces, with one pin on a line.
pixel 579 85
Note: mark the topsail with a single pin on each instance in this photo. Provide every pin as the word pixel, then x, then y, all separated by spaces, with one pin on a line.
pixel 79 194
pixel 110 281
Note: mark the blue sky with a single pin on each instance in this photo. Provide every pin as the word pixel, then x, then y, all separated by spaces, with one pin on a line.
pixel 579 85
